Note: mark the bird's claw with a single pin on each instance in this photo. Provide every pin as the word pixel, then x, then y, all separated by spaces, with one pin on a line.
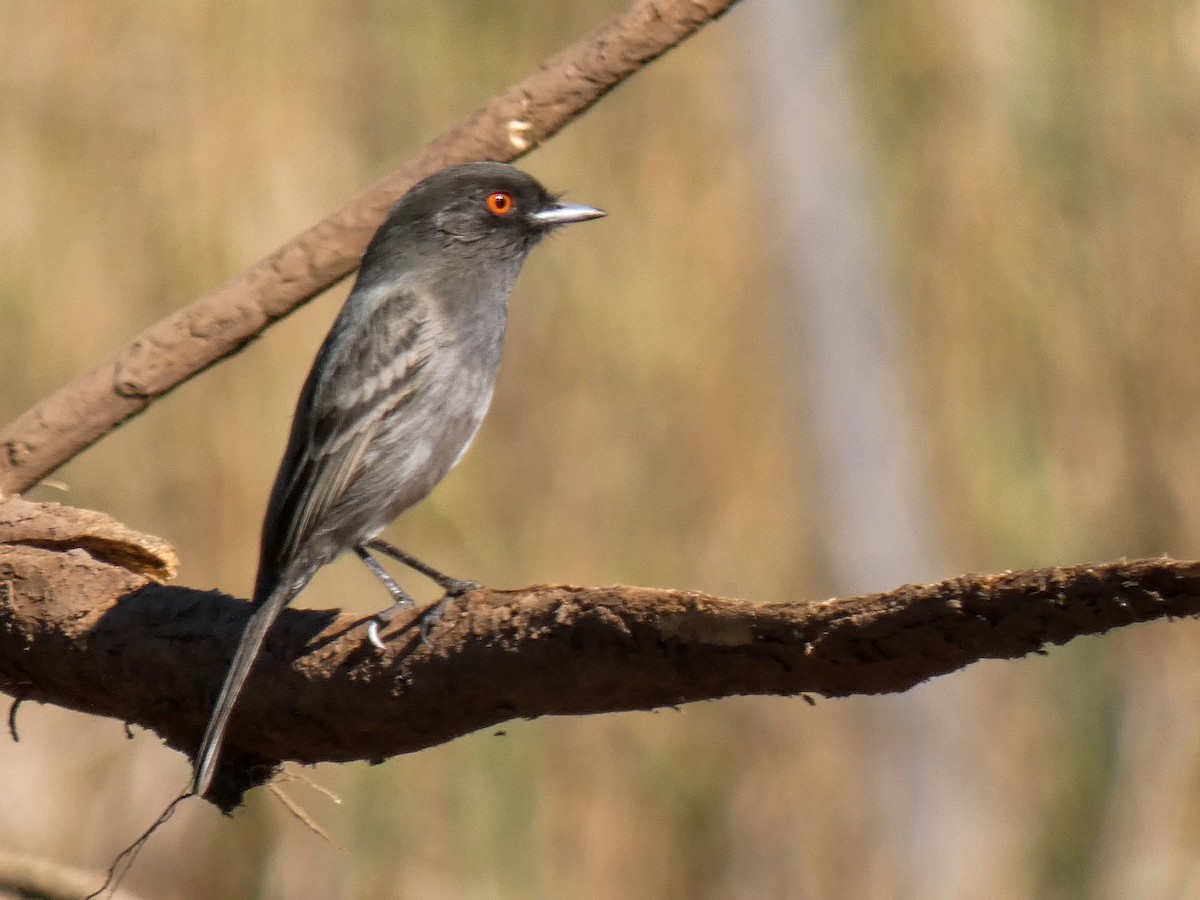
pixel 431 615
pixel 373 634
pixel 381 618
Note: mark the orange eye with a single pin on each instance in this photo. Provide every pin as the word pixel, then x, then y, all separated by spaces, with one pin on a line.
pixel 500 203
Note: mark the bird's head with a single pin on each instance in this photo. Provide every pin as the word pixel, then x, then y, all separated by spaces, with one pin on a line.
pixel 488 203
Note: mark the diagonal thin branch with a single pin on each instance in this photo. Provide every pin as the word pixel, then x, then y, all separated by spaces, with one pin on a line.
pixel 223 321
pixel 91 635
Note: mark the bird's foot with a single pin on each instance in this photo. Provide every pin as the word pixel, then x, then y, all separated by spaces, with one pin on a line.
pixel 380 619
pixel 430 616
pixel 456 587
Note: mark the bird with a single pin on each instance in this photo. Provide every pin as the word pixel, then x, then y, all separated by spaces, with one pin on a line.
pixel 395 396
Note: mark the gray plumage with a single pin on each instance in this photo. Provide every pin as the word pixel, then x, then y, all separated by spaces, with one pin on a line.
pixel 398 389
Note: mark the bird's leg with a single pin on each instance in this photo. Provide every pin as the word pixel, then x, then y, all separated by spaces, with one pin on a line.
pixel 399 596
pixel 452 586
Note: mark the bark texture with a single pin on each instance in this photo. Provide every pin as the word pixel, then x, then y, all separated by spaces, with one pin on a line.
pixel 89 627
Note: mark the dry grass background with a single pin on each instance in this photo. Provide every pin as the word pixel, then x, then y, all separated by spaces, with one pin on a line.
pixel 1037 171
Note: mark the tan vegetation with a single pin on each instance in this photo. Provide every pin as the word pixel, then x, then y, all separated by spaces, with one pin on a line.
pixel 1036 171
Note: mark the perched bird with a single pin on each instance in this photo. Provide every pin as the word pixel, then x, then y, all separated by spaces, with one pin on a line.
pixel 396 394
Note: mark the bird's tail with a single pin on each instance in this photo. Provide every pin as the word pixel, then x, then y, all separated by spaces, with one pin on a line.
pixel 239 669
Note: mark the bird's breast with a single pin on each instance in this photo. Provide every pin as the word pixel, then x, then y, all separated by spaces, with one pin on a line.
pixel 420 441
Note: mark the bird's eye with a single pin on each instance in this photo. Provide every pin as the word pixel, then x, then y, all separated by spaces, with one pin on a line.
pixel 500 203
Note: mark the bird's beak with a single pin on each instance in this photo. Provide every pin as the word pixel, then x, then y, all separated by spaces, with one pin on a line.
pixel 564 214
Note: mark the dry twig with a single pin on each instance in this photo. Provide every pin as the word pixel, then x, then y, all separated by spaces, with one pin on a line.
pixel 222 322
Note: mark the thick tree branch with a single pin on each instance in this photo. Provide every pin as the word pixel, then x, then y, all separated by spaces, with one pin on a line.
pixel 222 322
pixel 79 631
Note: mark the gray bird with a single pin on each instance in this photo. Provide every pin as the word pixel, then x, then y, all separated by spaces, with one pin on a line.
pixel 396 394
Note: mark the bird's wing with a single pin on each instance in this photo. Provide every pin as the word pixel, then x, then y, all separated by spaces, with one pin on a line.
pixel 368 368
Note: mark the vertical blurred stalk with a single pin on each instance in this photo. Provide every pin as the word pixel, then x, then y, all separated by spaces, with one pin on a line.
pixel 824 228
pixel 840 317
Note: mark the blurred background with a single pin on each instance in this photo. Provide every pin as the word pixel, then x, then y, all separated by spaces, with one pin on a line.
pixel 888 292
